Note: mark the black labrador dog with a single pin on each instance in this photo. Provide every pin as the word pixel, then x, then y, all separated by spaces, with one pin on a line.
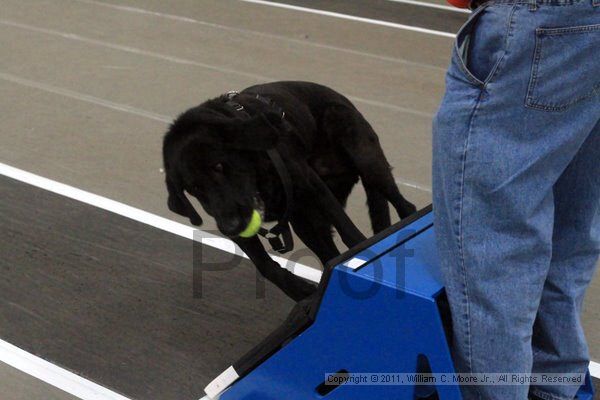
pixel 221 153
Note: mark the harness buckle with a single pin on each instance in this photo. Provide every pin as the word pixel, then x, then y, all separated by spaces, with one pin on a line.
pixel 279 237
pixel 270 235
pixel 277 244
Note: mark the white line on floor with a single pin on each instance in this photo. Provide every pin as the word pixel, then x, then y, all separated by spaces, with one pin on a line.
pixel 264 35
pixel 85 98
pixel 178 60
pixel 352 18
pixel 595 369
pixel 433 5
pixel 392 107
pixel 147 218
pixel 412 185
pixel 54 375
pixel 133 50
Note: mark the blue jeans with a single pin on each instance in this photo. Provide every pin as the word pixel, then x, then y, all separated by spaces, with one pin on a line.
pixel 516 179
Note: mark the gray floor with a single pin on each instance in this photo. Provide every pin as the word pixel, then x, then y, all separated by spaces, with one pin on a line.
pixel 89 85
pixel 15 385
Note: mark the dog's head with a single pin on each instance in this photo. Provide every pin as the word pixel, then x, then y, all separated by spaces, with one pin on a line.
pixel 212 156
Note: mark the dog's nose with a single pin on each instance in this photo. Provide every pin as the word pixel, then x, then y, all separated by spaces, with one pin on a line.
pixel 229 226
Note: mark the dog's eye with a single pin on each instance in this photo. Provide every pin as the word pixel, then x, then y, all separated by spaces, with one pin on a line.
pixel 218 167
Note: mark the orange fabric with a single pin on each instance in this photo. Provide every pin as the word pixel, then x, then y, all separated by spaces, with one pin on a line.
pixel 460 3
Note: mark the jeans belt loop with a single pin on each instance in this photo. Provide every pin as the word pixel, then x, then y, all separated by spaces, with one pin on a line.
pixel 533 6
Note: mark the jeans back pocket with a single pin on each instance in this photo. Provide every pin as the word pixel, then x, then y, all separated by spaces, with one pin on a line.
pixel 565 67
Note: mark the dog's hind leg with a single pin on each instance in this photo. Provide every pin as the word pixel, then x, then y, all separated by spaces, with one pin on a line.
pixel 386 185
pixel 293 286
pixel 341 186
pixel 379 211
pixel 348 128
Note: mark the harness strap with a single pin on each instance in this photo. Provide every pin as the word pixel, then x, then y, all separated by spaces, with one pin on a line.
pixel 280 236
pixel 282 229
pixel 272 105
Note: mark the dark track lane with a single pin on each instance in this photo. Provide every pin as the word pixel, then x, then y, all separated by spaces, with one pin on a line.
pixel 111 299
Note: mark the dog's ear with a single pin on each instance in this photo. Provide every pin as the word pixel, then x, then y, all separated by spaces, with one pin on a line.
pixel 260 132
pixel 179 203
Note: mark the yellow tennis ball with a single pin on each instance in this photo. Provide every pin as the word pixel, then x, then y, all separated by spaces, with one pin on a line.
pixel 253 225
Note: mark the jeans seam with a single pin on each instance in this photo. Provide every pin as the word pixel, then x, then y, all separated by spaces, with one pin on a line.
pixel 562 107
pixel 461 236
pixel 550 3
pixel 537 54
pixel 572 30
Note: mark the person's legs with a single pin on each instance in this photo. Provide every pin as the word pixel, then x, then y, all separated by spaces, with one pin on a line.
pixel 558 341
pixel 502 138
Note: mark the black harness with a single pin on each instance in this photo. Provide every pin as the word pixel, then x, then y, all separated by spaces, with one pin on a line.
pixel 279 236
